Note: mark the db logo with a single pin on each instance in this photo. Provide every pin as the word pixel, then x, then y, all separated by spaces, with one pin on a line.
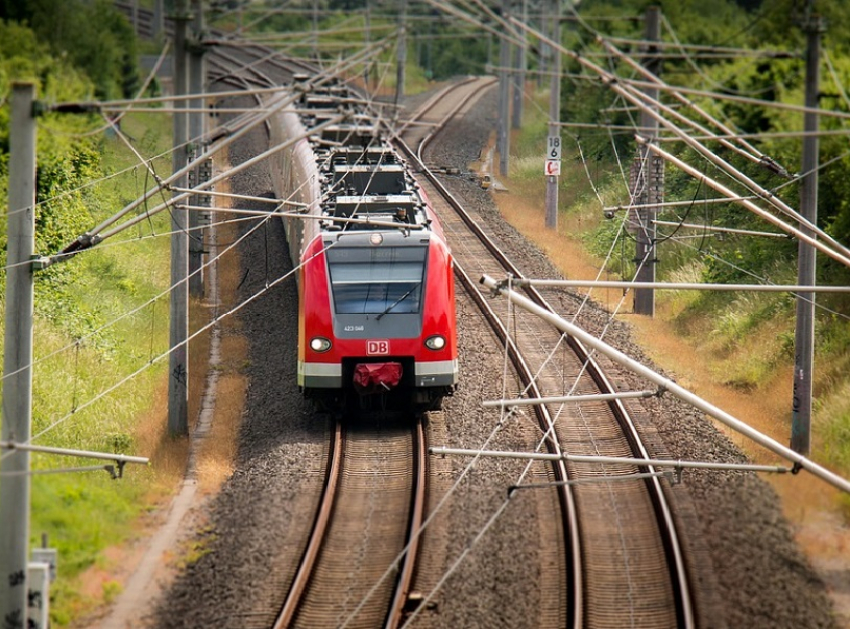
pixel 377 348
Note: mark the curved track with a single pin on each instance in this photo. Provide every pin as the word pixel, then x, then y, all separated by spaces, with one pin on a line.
pixel 632 571
pixel 623 567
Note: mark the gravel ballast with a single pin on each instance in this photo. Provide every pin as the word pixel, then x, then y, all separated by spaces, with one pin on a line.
pixel 756 575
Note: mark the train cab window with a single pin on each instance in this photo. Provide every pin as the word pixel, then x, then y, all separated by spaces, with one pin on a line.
pixel 377 280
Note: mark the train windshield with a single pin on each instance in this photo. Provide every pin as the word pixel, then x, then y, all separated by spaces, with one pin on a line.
pixel 377 280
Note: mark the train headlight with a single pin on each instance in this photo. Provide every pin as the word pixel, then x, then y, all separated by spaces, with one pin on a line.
pixel 435 342
pixel 320 344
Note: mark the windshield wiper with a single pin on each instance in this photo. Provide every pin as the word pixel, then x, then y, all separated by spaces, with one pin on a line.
pixel 398 301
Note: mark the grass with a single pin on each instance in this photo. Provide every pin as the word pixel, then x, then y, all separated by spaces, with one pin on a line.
pixel 99 580
pixel 83 514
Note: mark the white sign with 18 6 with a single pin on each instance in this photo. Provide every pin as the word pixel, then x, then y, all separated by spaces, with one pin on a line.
pixel 553 156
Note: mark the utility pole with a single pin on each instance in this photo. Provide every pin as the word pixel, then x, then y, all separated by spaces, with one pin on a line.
pixel 545 49
pixel 553 148
pixel 367 23
pixel 178 365
pixel 401 54
pixel 316 29
pixel 804 336
pixel 648 188
pixel 17 361
pixel 519 75
pixel 504 91
pixel 158 18
pixel 196 133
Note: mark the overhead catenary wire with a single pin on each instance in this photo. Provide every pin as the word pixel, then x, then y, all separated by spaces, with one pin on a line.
pixel 819 245
pixel 840 252
pixel 163 355
pixel 765 288
pixel 751 153
pixel 93 235
pixel 99 233
pixel 167 353
pixel 675 389
pixel 767 104
pixel 266 216
pixel 702 47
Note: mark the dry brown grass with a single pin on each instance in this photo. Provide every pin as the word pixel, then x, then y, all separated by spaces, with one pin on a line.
pixel 216 456
pixel 167 454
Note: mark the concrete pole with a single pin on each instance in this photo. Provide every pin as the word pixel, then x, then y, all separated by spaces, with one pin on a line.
pixel 401 54
pixel 158 18
pixel 178 381
pixel 551 219
pixel 645 254
pixel 519 75
pixel 196 132
pixel 504 92
pixel 17 361
pixel 545 50
pixel 367 23
pixel 804 337
pixel 316 30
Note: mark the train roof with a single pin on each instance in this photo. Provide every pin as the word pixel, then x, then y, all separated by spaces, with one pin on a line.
pixel 365 183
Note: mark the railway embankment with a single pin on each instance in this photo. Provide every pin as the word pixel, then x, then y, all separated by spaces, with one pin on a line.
pixel 751 378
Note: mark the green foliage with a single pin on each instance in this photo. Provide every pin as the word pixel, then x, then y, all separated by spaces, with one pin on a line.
pixel 84 342
pixel 80 534
pixel 457 51
pixel 93 36
pixel 748 335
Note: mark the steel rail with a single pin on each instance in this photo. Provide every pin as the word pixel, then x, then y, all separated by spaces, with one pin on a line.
pixel 667 526
pixel 565 494
pixel 395 616
pixel 317 535
pixel 426 141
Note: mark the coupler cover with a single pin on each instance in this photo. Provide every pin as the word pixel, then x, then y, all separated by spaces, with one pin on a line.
pixel 376 377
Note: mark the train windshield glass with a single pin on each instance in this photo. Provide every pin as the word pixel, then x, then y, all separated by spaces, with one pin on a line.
pixel 377 280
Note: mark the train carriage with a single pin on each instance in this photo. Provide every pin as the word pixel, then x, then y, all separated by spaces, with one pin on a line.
pixel 376 302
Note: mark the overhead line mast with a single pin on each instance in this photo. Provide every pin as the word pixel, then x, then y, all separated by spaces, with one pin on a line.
pixel 804 336
pixel 17 359
pixel 648 179
pixel 178 364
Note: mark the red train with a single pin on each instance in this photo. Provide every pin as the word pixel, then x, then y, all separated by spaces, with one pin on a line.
pixel 376 297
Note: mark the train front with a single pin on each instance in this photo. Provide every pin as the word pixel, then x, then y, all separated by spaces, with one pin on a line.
pixel 378 323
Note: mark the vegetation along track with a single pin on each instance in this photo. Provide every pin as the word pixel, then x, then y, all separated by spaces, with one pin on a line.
pixel 357 568
pixel 631 570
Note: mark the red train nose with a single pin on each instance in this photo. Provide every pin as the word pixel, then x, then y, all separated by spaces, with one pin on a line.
pixel 376 377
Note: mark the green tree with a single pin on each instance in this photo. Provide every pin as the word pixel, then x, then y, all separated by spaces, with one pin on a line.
pixel 93 36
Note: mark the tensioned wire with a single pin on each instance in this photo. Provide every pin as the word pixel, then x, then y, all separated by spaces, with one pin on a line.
pixel 137 309
pixel 161 356
pixel 495 516
pixel 482 532
pixel 133 240
pixel 165 354
pixel 504 416
pixel 167 291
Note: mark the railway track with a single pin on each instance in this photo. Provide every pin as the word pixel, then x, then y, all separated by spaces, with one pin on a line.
pixel 609 583
pixel 357 568
pixel 624 562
